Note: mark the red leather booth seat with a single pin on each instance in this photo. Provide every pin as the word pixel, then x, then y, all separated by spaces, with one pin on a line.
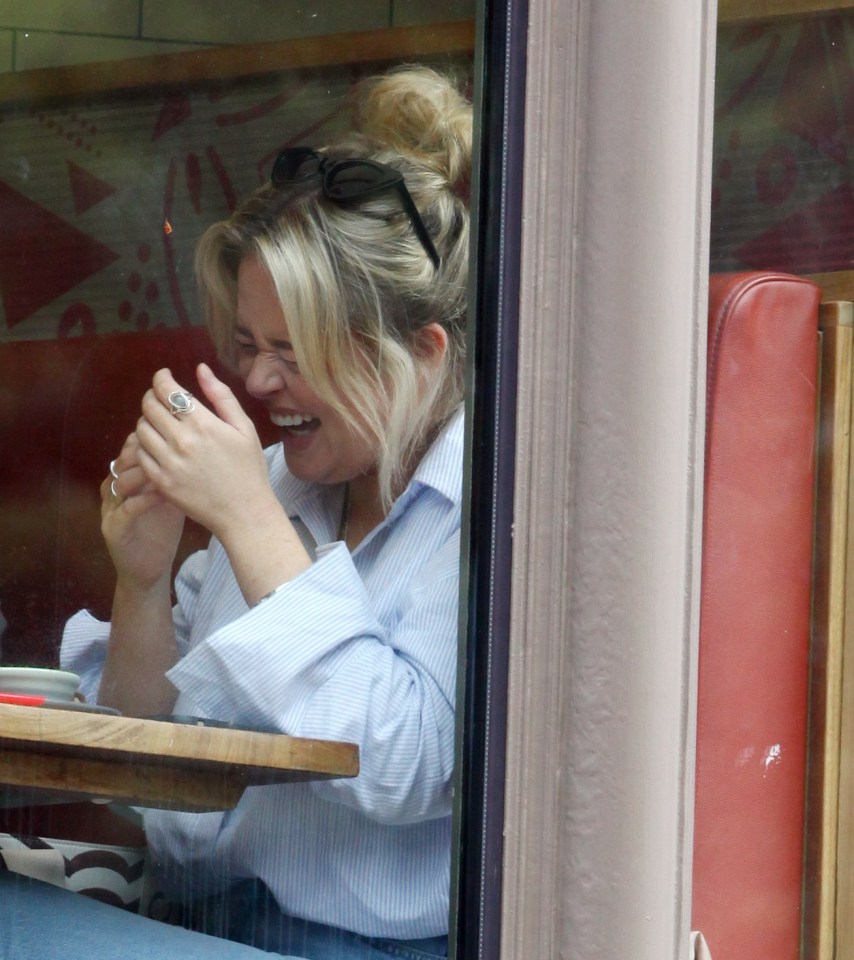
pixel 755 615
pixel 65 408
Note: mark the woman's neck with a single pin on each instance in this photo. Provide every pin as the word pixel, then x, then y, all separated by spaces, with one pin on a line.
pixel 364 509
pixel 363 504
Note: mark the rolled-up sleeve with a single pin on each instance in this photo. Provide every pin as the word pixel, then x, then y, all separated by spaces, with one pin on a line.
pixel 314 660
pixel 85 638
pixel 83 651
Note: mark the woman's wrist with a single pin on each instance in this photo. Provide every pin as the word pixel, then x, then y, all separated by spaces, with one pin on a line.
pixel 134 587
pixel 265 557
pixel 249 519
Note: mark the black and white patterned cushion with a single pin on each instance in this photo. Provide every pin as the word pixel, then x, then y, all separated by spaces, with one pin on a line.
pixel 114 875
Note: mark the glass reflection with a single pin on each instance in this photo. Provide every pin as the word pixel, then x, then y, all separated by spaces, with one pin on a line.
pixel 781 203
pixel 105 195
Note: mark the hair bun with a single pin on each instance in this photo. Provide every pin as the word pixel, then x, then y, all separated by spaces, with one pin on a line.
pixel 419 112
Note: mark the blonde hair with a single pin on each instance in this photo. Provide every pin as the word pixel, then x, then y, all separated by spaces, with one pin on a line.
pixel 354 281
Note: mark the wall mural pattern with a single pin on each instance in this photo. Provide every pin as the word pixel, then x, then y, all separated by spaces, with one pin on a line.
pixel 102 201
pixel 783 174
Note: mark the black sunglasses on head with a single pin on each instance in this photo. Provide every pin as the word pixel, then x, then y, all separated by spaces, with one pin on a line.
pixel 345 181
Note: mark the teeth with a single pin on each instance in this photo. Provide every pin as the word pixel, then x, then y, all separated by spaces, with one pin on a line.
pixel 296 420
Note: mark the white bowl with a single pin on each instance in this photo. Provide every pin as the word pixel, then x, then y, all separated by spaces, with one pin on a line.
pixel 39 682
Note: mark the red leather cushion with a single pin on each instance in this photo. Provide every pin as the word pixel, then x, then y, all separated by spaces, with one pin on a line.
pixel 755 615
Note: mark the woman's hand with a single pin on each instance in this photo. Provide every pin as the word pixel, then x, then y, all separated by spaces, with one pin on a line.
pixel 140 527
pixel 208 462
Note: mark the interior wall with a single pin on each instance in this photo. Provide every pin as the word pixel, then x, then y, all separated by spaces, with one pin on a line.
pixel 61 32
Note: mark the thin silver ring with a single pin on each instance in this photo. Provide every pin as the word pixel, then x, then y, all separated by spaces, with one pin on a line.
pixel 180 401
pixel 113 472
pixel 113 490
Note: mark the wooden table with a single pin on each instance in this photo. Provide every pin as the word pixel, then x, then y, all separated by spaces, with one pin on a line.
pixel 58 755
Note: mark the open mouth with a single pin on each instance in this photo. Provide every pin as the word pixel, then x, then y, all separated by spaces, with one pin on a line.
pixel 295 423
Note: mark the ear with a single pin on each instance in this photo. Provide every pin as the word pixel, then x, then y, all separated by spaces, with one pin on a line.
pixel 431 345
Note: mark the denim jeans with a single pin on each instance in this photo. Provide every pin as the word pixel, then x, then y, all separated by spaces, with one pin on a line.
pixel 38 920
pixel 249 914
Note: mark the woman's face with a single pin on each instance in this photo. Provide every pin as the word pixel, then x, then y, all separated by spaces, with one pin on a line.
pixel 319 445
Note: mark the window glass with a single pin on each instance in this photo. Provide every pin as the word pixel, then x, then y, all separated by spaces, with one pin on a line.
pixel 126 130
pixel 782 186
pixel 771 700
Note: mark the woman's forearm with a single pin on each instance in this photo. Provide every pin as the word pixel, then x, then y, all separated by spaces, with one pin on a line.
pixel 142 648
pixel 265 553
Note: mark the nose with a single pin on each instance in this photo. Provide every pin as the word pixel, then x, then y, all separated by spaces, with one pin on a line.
pixel 263 377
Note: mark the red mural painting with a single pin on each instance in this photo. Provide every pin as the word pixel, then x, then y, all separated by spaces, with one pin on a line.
pixel 41 256
pixel 86 189
pixel 102 201
pixel 783 192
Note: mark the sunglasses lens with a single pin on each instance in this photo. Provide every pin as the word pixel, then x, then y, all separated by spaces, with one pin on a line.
pixel 351 179
pixel 346 180
pixel 296 163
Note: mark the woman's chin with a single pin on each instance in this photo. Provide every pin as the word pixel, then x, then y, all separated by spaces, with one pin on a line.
pixel 297 442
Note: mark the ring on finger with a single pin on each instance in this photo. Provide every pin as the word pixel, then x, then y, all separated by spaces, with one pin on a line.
pixel 113 472
pixel 113 490
pixel 180 402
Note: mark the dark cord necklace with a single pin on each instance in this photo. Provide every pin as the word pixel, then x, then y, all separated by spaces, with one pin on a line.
pixel 344 522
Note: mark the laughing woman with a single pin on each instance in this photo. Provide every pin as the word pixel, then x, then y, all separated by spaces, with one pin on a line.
pixel 326 603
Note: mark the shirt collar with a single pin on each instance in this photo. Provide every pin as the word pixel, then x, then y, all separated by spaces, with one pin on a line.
pixel 441 467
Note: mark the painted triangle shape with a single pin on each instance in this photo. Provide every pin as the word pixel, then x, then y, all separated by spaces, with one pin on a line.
pixel 41 256
pixel 86 189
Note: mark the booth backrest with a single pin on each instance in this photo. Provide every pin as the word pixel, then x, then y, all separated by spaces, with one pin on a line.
pixel 755 615
pixel 66 407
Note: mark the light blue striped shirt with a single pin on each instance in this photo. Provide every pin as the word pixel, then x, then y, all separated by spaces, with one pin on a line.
pixel 359 647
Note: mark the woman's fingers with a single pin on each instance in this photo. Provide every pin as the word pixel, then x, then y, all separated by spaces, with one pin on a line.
pixel 205 460
pixel 127 457
pixel 222 399
pixel 126 478
pixel 121 485
pixel 168 406
pixel 131 482
pixel 157 408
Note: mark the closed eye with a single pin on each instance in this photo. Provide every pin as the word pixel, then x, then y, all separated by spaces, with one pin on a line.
pixel 247 349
